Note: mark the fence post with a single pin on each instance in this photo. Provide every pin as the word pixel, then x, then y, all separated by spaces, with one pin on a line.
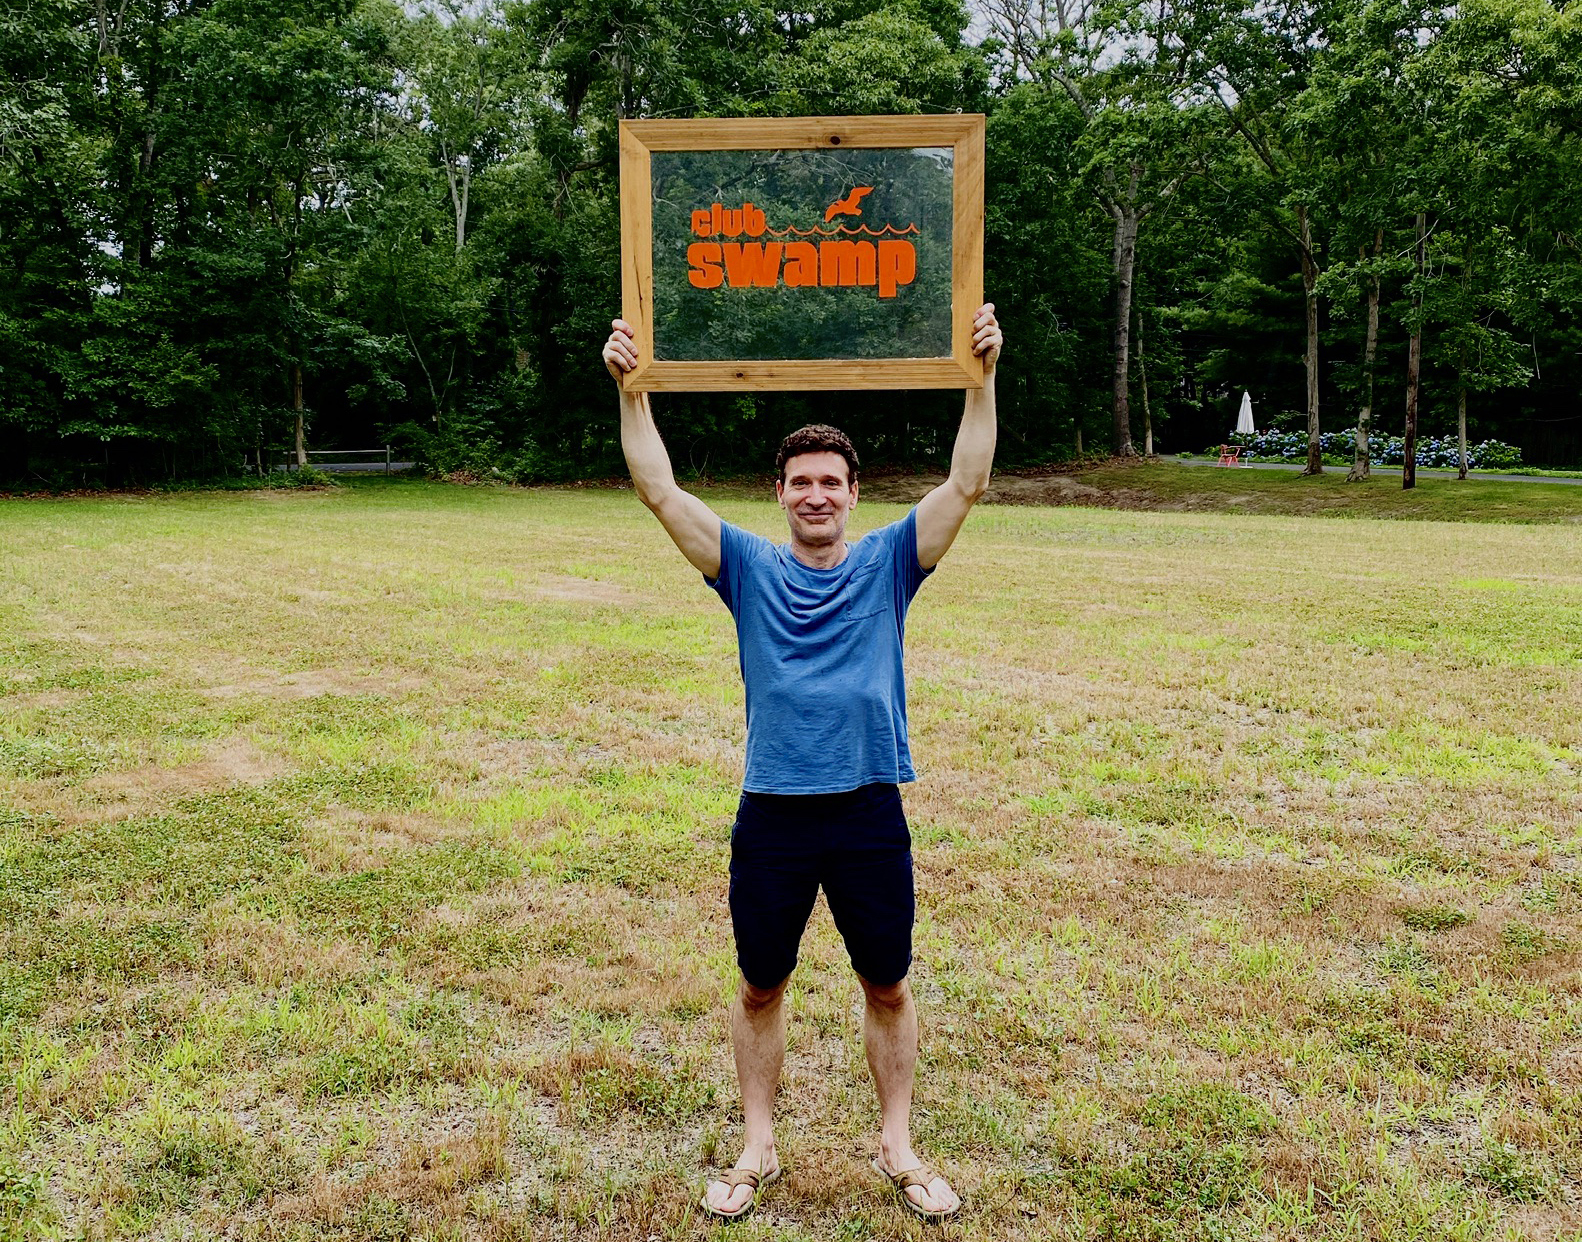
pixel 387 461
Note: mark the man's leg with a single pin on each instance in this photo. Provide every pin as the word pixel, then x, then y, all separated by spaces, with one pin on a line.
pixel 758 1034
pixel 774 884
pixel 868 882
pixel 890 1039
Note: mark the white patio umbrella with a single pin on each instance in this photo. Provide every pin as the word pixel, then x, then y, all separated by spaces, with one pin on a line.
pixel 1244 418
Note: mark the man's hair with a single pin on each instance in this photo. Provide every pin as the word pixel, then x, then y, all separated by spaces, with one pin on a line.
pixel 817 438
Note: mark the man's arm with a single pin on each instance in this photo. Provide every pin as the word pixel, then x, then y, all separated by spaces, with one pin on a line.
pixel 941 512
pixel 691 523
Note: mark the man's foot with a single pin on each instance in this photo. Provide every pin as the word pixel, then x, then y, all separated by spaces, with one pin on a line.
pixel 923 1191
pixel 735 1192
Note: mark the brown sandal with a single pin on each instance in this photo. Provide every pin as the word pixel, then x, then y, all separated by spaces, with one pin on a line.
pixel 734 1178
pixel 922 1175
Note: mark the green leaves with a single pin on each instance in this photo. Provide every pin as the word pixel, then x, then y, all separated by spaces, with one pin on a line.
pixel 887 61
pixel 415 210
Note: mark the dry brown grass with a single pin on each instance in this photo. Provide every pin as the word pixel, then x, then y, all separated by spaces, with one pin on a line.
pixel 435 1176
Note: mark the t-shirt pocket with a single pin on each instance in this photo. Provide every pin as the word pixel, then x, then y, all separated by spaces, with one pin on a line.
pixel 866 594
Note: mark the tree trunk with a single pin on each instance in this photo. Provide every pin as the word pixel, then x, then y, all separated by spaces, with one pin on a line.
pixel 1461 375
pixel 1461 428
pixel 1142 376
pixel 1414 363
pixel 1360 457
pixel 1127 219
pixel 296 406
pixel 145 166
pixel 1079 442
pixel 458 172
pixel 143 196
pixel 1315 452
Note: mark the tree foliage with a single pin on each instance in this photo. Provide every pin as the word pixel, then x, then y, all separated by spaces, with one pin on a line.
pixel 228 225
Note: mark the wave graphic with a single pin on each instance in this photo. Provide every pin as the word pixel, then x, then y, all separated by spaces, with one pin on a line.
pixel 888 230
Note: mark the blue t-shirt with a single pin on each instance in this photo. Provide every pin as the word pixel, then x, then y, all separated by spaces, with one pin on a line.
pixel 821 659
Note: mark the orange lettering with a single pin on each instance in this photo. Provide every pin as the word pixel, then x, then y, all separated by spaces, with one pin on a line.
pixel 752 263
pixel 801 265
pixel 705 260
pixel 846 263
pixel 897 266
pixel 741 265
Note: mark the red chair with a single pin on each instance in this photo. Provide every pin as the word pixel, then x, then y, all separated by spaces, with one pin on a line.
pixel 1230 454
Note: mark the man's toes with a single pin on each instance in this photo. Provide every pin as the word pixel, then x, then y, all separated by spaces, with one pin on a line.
pixel 733 1198
pixel 937 1196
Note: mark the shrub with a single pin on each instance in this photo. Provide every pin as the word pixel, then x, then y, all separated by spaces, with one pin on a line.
pixel 299 476
pixel 1436 451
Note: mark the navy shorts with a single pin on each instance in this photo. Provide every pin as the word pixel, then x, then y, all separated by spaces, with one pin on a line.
pixel 857 846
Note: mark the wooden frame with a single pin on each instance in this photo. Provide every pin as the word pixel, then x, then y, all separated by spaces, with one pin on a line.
pixel 964 132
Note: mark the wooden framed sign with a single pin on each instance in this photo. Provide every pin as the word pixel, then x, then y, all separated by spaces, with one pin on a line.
pixel 802 253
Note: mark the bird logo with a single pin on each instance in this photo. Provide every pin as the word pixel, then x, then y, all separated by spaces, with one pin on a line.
pixel 847 206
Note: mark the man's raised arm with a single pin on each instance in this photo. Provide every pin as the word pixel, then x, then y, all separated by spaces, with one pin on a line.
pixel 691 523
pixel 941 512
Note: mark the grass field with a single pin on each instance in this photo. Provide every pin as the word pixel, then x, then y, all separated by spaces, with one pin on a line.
pixel 362 864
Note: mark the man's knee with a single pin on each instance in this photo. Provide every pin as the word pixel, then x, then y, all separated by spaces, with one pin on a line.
pixel 755 999
pixel 891 996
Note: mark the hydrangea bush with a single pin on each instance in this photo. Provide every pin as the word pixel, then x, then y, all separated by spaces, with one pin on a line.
pixel 1440 451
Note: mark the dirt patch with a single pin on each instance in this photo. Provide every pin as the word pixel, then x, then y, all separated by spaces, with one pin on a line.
pixel 347 842
pixel 311 683
pixel 1035 489
pixel 234 762
pixel 43 699
pixel 1065 489
pixel 565 586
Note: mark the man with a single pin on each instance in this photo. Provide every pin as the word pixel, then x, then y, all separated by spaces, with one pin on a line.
pixel 819 624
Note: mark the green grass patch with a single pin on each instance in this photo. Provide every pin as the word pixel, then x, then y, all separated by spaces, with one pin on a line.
pixel 1245 845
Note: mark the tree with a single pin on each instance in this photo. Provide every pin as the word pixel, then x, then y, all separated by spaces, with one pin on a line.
pixel 1127 67
pixel 1507 148
pixel 1261 64
pixel 1049 272
pixel 1360 114
pixel 290 93
pixel 466 84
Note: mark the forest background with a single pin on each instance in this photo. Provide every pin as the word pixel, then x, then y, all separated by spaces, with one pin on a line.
pixel 233 228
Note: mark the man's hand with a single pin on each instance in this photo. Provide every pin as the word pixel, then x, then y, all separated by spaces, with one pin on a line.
pixel 620 351
pixel 986 337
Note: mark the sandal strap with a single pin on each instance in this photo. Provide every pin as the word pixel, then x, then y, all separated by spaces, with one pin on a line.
pixel 738 1177
pixel 920 1176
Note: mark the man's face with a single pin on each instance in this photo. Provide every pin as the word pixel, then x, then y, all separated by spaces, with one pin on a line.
pixel 817 495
